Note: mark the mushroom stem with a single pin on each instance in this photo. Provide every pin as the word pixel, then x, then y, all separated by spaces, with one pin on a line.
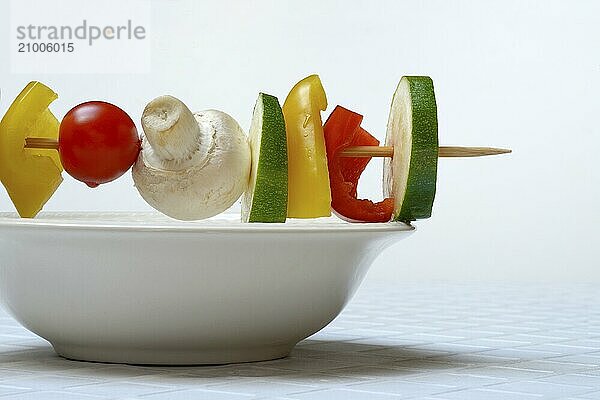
pixel 171 129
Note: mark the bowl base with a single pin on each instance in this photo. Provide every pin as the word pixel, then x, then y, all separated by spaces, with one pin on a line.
pixel 172 357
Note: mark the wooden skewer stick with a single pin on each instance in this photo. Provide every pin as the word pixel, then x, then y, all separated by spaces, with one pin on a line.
pixel 444 151
pixel 41 143
pixel 357 151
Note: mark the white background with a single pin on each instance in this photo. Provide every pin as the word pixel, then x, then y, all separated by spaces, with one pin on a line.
pixel 518 74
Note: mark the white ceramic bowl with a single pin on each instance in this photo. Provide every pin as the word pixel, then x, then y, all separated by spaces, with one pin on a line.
pixel 144 289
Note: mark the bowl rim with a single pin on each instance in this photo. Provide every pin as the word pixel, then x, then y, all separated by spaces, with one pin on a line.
pixel 224 223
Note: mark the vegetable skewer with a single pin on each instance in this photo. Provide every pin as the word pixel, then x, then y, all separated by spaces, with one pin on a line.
pixel 322 162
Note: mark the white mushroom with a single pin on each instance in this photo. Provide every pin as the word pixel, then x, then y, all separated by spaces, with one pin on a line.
pixel 191 166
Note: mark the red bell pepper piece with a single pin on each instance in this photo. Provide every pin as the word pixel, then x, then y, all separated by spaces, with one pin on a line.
pixel 342 129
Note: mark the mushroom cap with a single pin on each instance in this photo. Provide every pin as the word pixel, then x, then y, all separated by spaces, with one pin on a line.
pixel 213 182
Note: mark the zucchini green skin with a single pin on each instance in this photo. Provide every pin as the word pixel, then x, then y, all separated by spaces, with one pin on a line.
pixel 269 202
pixel 422 176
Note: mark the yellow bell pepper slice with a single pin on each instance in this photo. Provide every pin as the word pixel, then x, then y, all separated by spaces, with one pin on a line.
pixel 30 176
pixel 309 195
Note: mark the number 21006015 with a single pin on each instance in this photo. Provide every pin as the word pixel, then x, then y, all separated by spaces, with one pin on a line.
pixel 36 47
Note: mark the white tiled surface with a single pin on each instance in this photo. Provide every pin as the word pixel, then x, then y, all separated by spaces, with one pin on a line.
pixel 429 342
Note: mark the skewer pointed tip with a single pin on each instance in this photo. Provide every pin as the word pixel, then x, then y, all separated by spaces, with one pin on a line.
pixel 457 151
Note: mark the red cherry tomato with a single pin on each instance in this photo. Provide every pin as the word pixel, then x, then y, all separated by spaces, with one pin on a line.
pixel 97 142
